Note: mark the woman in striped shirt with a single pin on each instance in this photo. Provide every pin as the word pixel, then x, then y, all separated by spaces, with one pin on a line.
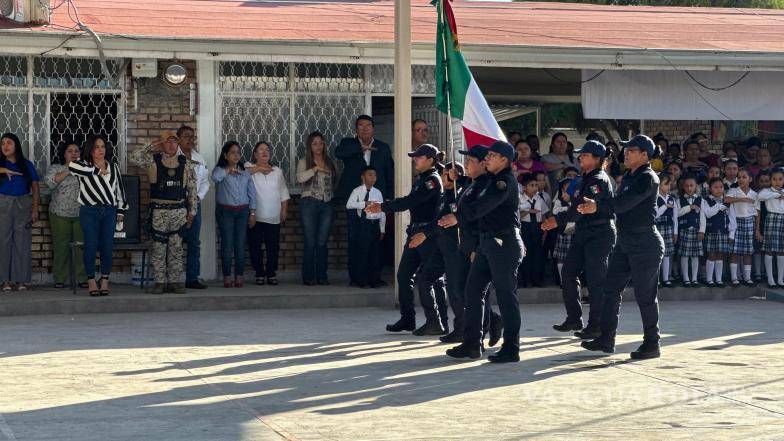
pixel 103 202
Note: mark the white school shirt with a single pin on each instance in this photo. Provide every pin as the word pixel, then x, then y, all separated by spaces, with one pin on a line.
pixel 675 208
pixel 743 209
pixel 536 202
pixel 271 191
pixel 773 199
pixel 560 206
pixel 356 201
pixel 707 211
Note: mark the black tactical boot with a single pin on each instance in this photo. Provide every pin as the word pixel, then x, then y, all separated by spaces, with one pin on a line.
pixel 568 326
pixel 648 349
pixel 431 327
pixel 402 325
pixel 464 351
pixel 600 344
pixel 452 337
pixel 589 333
pixel 507 354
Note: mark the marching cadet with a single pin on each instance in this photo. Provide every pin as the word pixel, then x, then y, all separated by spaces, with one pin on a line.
pixel 173 205
pixel 593 240
pixel 422 203
pixel 496 259
pixel 638 252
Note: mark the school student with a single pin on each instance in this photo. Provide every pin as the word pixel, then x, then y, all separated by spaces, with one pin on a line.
pixel 667 224
pixel 761 181
pixel 773 234
pixel 689 245
pixel 364 249
pixel 532 210
pixel 717 227
pixel 742 200
pixel 713 173
pixel 564 240
pixel 730 174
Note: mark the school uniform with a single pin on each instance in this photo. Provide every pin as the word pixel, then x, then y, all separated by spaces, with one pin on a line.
pixel 729 184
pixel 532 267
pixel 564 239
pixel 717 224
pixel 688 226
pixel 744 213
pixel 667 221
pixel 773 231
pixel 364 250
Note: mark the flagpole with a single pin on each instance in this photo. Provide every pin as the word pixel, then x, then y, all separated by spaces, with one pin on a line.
pixel 449 106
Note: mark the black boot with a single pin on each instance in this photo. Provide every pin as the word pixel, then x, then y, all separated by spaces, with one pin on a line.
pixel 589 333
pixel 402 325
pixel 464 351
pixel 453 337
pixel 496 329
pixel 648 349
pixel 507 354
pixel 568 326
pixel 599 344
pixel 431 327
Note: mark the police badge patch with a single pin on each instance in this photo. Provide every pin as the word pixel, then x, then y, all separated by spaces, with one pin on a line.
pixel 501 185
pixel 453 207
pixel 596 189
pixel 429 184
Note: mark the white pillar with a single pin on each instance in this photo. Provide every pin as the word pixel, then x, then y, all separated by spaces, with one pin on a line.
pixel 208 144
pixel 402 116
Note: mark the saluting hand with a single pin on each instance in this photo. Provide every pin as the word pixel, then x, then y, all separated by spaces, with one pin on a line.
pixel 549 224
pixel 587 207
pixel 447 221
pixel 373 208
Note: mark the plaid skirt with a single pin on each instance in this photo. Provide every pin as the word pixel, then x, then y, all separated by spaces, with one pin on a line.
pixel 689 244
pixel 668 234
pixel 562 247
pixel 717 243
pixel 773 242
pixel 744 236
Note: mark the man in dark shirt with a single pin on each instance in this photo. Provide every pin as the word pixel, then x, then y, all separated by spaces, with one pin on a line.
pixel 638 252
pixel 361 151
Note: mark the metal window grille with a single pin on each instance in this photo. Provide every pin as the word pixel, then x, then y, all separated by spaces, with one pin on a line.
pixel 49 100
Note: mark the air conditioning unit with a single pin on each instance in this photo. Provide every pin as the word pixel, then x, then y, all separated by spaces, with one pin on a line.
pixel 25 11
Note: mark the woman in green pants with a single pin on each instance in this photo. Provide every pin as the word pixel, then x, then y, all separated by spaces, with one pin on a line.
pixel 64 215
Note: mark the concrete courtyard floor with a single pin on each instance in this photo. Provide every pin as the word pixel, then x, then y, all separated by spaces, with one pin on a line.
pixel 333 374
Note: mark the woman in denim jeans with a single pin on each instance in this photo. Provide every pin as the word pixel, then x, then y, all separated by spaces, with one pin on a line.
pixel 317 173
pixel 235 210
pixel 103 202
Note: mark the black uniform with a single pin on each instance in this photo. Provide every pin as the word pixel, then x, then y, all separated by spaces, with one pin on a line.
pixel 447 258
pixel 592 242
pixel 422 203
pixel 637 255
pixel 497 257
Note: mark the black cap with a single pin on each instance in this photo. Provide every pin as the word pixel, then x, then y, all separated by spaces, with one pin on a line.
pixel 428 150
pixel 457 166
pixel 478 151
pixel 641 142
pixel 593 147
pixel 504 149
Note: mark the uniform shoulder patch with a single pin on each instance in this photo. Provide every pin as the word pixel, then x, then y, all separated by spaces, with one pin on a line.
pixel 501 185
pixel 430 184
pixel 595 189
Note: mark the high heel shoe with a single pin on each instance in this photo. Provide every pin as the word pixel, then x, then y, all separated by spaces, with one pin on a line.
pixel 107 291
pixel 93 292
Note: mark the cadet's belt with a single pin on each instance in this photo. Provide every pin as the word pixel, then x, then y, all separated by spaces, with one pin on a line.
pixel 169 206
pixel 500 233
pixel 234 208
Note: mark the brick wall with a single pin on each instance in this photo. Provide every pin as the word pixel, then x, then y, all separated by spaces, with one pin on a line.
pixel 677 131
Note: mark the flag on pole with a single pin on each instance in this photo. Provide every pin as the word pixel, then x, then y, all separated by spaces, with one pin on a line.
pixel 456 91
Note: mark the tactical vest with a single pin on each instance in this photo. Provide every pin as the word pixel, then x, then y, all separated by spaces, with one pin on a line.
pixel 170 185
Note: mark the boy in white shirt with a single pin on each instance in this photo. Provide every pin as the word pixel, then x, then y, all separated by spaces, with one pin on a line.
pixel 364 247
pixel 532 211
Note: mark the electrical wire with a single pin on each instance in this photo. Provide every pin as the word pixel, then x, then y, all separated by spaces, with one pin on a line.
pixel 554 76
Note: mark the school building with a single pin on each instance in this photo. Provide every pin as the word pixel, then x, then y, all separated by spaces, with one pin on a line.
pixel 277 70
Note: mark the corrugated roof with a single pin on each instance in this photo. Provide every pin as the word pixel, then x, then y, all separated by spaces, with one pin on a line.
pixel 509 24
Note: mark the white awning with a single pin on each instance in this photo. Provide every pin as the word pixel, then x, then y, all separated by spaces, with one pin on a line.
pixel 673 95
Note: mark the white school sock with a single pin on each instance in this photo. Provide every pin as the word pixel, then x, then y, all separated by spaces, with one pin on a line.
pixel 734 271
pixel 695 267
pixel 685 269
pixel 560 270
pixel 719 271
pixel 769 269
pixel 747 272
pixel 709 271
pixel 666 269
pixel 780 263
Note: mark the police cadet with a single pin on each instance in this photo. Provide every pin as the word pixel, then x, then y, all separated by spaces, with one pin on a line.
pixel 469 241
pixel 173 205
pixel 638 251
pixel 422 203
pixel 496 259
pixel 592 242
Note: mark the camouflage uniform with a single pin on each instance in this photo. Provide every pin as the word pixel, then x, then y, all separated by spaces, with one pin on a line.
pixel 168 215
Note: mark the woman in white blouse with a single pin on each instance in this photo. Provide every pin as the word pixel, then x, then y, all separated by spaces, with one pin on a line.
pixel 272 196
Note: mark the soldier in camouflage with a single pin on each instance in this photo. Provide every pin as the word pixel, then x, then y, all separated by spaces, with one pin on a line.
pixel 173 204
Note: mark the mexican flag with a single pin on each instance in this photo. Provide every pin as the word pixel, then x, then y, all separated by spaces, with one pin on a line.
pixel 455 83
